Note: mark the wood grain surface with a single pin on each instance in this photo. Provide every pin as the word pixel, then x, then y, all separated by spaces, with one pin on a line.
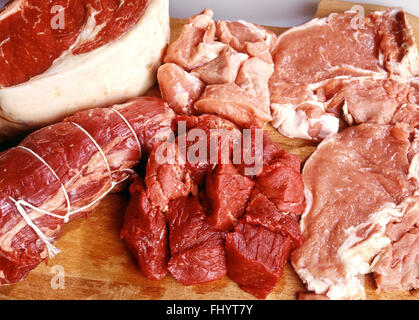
pixel 97 265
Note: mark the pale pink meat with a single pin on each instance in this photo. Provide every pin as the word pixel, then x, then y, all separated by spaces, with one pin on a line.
pixel 325 56
pixel 344 225
pixel 222 69
pixel 196 44
pixel 397 267
pixel 246 102
pixel 179 88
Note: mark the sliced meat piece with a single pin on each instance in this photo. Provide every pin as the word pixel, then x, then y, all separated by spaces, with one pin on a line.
pixel 396 268
pixel 261 211
pixel 197 248
pixel 283 185
pixel 256 257
pixel 145 233
pixel 354 183
pixel 331 51
pixel 179 88
pixel 222 69
pixel 233 103
pixel 188 225
pixel 248 38
pixel 209 140
pixel 196 44
pixel 311 296
pixel 167 177
pixel 227 192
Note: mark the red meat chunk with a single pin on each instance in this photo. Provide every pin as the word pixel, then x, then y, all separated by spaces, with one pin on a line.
pixel 197 249
pixel 271 153
pixel 256 257
pixel 167 180
pixel 227 194
pixel 263 212
pixel 145 233
pixel 218 131
pixel 283 185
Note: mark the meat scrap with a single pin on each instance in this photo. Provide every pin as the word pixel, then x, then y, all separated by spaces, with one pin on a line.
pixel 338 71
pixel 62 171
pixel 227 193
pixel 234 61
pixel 145 233
pixel 197 249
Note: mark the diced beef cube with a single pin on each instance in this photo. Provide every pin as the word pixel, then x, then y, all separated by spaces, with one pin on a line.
pixel 167 177
pixel 256 257
pixel 145 233
pixel 283 185
pixel 263 212
pixel 197 249
pixel 203 263
pixel 228 193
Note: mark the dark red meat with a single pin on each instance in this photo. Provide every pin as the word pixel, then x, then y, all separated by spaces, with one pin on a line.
pixel 30 45
pixel 197 249
pixel 283 185
pixel 223 134
pixel 256 257
pixel 227 194
pixel 145 233
pixel 74 163
pixel 263 212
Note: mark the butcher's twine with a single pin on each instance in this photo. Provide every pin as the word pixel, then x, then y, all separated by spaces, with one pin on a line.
pixel 20 204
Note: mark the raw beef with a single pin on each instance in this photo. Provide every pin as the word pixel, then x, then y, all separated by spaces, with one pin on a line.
pixel 57 62
pixel 256 258
pixel 62 171
pixel 167 177
pixel 373 170
pixel 145 233
pixel 227 193
pixel 197 249
pixel 179 88
pixel 340 69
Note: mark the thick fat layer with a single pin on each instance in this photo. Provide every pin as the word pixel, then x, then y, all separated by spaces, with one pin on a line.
pixel 344 228
pixel 119 70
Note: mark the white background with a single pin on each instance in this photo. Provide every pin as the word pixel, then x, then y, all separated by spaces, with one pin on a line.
pixel 284 13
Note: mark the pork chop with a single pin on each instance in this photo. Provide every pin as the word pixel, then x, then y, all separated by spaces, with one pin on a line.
pixel 371 169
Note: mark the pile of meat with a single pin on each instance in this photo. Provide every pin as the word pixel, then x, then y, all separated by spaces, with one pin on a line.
pixel 200 221
pixel 335 72
pixel 220 68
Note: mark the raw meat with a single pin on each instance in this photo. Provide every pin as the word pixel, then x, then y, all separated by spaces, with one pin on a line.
pixel 234 61
pixel 256 257
pixel 227 193
pixel 145 233
pixel 50 70
pixel 372 169
pixel 179 88
pixel 216 145
pixel 338 69
pixel 397 267
pixel 65 170
pixel 197 249
pixel 167 177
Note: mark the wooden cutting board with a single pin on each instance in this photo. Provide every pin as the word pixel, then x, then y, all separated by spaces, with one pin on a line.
pixel 97 265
